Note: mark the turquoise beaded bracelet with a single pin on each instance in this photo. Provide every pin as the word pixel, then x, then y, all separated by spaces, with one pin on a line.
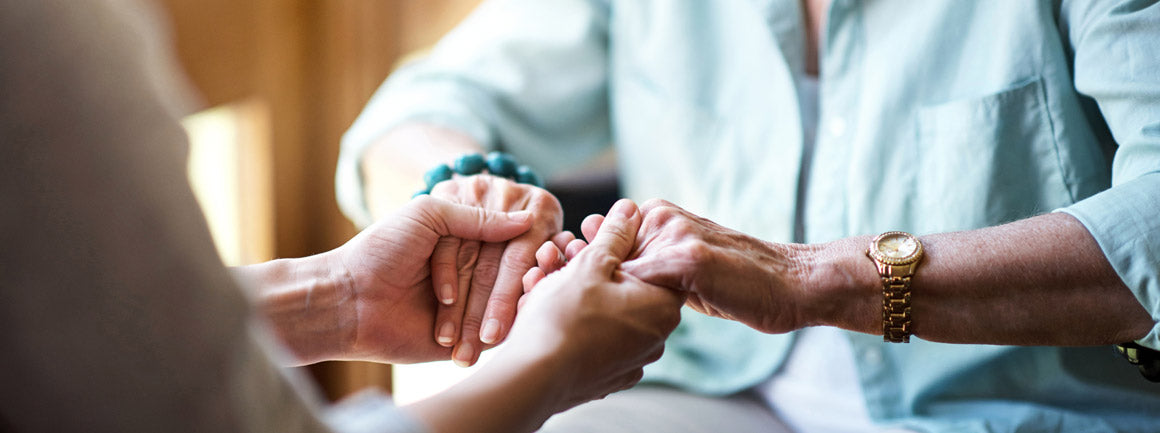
pixel 496 163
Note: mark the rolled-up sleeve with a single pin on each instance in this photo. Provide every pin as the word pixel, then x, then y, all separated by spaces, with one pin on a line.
pixel 1116 62
pixel 525 76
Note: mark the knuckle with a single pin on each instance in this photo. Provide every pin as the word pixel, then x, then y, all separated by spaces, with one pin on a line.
pixel 695 251
pixel 485 273
pixel 471 324
pixel 476 188
pixel 600 261
pixel 654 203
pixel 682 226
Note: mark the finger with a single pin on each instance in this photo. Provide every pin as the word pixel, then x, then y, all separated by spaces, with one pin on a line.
pixel 532 278
pixel 659 269
pixel 617 234
pixel 449 317
pixel 483 280
pixel 562 239
pixel 549 258
pixel 591 225
pixel 518 257
pixel 468 222
pixel 652 293
pixel 443 271
pixel 574 248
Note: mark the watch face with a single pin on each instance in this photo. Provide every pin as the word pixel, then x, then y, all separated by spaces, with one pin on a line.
pixel 896 248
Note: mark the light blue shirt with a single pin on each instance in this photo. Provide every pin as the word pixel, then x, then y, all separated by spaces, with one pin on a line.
pixel 934 116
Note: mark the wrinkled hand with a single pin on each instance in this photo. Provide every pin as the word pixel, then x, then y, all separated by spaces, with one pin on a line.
pixel 604 323
pixel 726 273
pixel 389 277
pixel 479 284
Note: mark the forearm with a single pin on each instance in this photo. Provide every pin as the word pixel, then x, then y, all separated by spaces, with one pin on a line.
pixel 393 167
pixel 1040 281
pixel 308 303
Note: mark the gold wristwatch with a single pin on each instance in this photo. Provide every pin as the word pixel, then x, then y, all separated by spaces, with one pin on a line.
pixel 897 255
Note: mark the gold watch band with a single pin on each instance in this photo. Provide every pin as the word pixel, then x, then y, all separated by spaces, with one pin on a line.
pixel 896 309
pixel 897 255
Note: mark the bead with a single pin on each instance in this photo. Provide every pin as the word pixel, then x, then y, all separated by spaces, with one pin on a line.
pixel 438 174
pixel 419 193
pixel 525 175
pixel 470 164
pixel 501 164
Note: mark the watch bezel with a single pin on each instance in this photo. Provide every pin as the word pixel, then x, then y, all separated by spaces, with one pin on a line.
pixel 878 256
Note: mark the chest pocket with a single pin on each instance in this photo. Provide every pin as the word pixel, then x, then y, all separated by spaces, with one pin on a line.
pixel 988 160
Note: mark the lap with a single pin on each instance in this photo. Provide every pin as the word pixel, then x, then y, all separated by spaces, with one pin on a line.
pixel 670 410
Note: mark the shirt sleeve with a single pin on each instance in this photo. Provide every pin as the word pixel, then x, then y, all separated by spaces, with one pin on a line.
pixel 1116 59
pixel 117 314
pixel 525 76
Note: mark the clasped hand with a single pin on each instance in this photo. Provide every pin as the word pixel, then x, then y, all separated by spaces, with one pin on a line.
pixel 724 273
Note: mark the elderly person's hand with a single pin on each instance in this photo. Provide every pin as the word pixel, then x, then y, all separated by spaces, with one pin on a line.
pixel 371 299
pixel 478 284
pixel 725 273
pixel 586 331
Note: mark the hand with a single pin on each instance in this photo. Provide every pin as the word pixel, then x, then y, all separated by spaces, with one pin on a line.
pixel 390 279
pixel 585 332
pixel 603 323
pixel 726 273
pixel 479 285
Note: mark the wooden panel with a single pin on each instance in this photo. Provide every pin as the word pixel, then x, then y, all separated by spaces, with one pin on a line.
pixel 313 64
pixel 216 44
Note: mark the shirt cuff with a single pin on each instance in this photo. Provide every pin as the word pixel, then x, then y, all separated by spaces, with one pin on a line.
pixel 1124 222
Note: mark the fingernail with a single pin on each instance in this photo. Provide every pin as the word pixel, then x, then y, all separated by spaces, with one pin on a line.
pixel 490 332
pixel 623 207
pixel 463 354
pixel 446 294
pixel 446 334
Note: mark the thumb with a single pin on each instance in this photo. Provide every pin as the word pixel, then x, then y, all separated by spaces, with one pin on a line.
pixel 468 222
pixel 617 233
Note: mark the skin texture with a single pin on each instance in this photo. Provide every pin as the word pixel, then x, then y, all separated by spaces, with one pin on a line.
pixel 1030 282
pixel 585 332
pixel 485 277
pixel 477 283
pixel 371 299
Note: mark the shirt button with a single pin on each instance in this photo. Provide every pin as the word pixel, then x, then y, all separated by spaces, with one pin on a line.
pixel 837 126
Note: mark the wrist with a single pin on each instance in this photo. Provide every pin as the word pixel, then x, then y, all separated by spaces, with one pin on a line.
pixel 497 164
pixel 308 302
pixel 844 290
pixel 393 167
pixel 516 391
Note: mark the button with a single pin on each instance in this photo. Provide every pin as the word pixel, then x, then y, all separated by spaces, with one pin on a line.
pixel 837 126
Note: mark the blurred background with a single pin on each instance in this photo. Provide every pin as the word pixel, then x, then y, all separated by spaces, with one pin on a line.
pixel 279 82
